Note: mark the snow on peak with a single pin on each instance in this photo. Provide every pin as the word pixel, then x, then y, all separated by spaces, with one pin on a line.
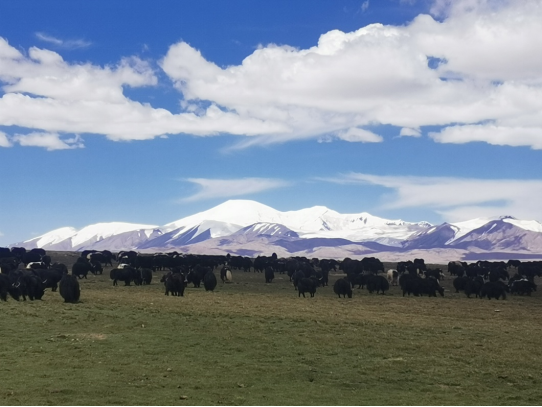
pixel 100 231
pixel 53 237
pixel 531 225
pixel 317 220
pixel 235 211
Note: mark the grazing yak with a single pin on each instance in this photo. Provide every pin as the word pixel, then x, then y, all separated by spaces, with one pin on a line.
pixel 209 281
pixel 145 276
pixel 174 283
pixel 225 274
pixel 4 286
pixel 473 286
pixel 357 279
pixel 307 285
pixel 522 287
pixel 127 274
pixel 342 287
pixel 49 277
pixel 412 284
pixel 459 283
pixel 377 283
pixel 197 274
pixel 296 278
pixel 7 286
pixel 69 288
pixel 269 274
pixel 393 276
pixel 81 267
pixel 493 290
pixel 29 284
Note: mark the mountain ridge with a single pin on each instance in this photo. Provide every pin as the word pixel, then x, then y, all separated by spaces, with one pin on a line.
pixel 249 226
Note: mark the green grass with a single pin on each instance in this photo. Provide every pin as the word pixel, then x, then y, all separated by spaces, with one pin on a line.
pixel 252 343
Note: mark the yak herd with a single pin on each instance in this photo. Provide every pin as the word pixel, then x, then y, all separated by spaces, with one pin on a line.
pixel 28 273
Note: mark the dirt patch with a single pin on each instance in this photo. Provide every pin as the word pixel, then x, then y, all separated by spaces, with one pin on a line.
pixel 84 336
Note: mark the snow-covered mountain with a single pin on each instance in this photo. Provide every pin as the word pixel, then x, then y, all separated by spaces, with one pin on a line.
pixel 251 228
pixel 99 237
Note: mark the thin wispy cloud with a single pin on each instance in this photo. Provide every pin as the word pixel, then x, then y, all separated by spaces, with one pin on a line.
pixel 60 43
pixel 454 198
pixel 49 141
pixel 227 188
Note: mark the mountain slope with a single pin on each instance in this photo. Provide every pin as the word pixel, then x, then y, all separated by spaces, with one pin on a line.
pixel 251 228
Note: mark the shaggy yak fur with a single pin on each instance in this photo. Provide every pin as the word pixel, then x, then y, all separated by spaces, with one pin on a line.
pixel 69 288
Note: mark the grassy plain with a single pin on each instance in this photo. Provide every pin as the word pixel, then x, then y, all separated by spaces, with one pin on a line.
pixel 251 343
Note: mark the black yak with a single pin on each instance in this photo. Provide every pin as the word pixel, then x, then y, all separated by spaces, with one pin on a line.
pixel 81 268
pixel 209 281
pixel 378 284
pixel 430 286
pixel 49 277
pixel 6 286
pixel 358 279
pixel 522 287
pixel 296 278
pixel 174 283
pixel 69 288
pixel 307 285
pixel 460 283
pixel 126 274
pixel 493 290
pixel 473 286
pixel 342 287
pixel 145 275
pixel 269 274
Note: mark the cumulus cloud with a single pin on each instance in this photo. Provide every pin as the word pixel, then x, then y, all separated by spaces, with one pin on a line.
pixel 44 92
pixel 49 141
pixel 487 52
pixel 225 188
pixel 486 86
pixel 66 44
pixel 456 199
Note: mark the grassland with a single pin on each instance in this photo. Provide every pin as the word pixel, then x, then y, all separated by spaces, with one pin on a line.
pixel 252 343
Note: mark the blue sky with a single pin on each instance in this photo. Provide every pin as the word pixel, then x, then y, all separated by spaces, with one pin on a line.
pixel 420 110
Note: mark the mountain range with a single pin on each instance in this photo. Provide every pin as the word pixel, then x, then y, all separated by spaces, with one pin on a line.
pixel 249 228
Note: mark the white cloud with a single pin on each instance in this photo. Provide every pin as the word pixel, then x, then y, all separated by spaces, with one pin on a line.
pixel 49 141
pixel 359 135
pixel 224 188
pixel 489 75
pixel 45 92
pixel 457 199
pixel 45 74
pixel 492 134
pixel 380 74
pixel 4 140
pixel 364 6
pixel 405 131
pixel 67 44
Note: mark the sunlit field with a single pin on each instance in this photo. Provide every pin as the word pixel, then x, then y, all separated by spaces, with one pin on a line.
pixel 249 342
